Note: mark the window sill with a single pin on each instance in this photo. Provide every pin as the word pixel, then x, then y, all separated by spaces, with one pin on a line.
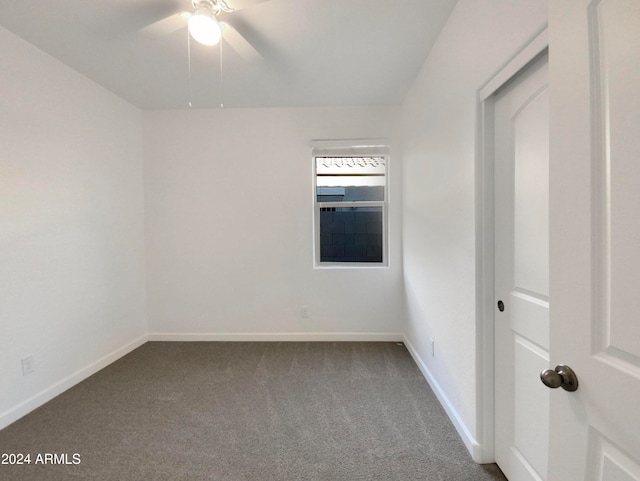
pixel 350 265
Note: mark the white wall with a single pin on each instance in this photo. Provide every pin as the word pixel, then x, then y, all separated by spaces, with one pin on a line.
pixel 439 236
pixel 229 228
pixel 72 291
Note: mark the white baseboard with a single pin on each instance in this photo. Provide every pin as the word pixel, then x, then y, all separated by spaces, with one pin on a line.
pixel 25 407
pixel 279 336
pixel 469 441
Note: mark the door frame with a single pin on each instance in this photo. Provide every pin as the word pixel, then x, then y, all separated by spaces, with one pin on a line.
pixel 485 257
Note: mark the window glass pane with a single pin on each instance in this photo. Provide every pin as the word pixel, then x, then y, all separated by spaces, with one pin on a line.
pixel 345 179
pixel 351 234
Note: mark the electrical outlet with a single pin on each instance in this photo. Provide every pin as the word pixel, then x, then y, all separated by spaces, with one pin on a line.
pixel 28 365
pixel 433 347
pixel 305 312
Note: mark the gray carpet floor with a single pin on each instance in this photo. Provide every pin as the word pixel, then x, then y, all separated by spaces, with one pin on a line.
pixel 245 412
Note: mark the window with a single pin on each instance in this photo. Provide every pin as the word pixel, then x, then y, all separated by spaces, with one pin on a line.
pixel 350 205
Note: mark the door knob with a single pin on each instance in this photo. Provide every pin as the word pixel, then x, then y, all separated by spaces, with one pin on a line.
pixel 563 376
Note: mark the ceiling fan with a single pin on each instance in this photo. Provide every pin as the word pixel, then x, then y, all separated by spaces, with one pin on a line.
pixel 205 27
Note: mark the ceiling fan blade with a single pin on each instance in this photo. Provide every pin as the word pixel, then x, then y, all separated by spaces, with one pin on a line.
pixel 239 43
pixel 167 25
pixel 240 4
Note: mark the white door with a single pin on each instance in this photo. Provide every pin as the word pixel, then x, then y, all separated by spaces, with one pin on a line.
pixel 594 78
pixel 521 185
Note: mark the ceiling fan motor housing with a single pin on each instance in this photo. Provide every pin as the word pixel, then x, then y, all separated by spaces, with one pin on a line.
pixel 211 7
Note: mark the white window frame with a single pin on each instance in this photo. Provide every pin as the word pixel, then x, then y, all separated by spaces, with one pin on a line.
pixel 350 148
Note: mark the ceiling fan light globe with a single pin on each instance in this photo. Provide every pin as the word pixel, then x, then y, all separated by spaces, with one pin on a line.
pixel 204 28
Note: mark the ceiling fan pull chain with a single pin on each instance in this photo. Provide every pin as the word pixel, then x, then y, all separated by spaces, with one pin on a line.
pixel 189 66
pixel 221 90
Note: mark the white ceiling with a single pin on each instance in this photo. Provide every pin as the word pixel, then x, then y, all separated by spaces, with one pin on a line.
pixel 315 52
